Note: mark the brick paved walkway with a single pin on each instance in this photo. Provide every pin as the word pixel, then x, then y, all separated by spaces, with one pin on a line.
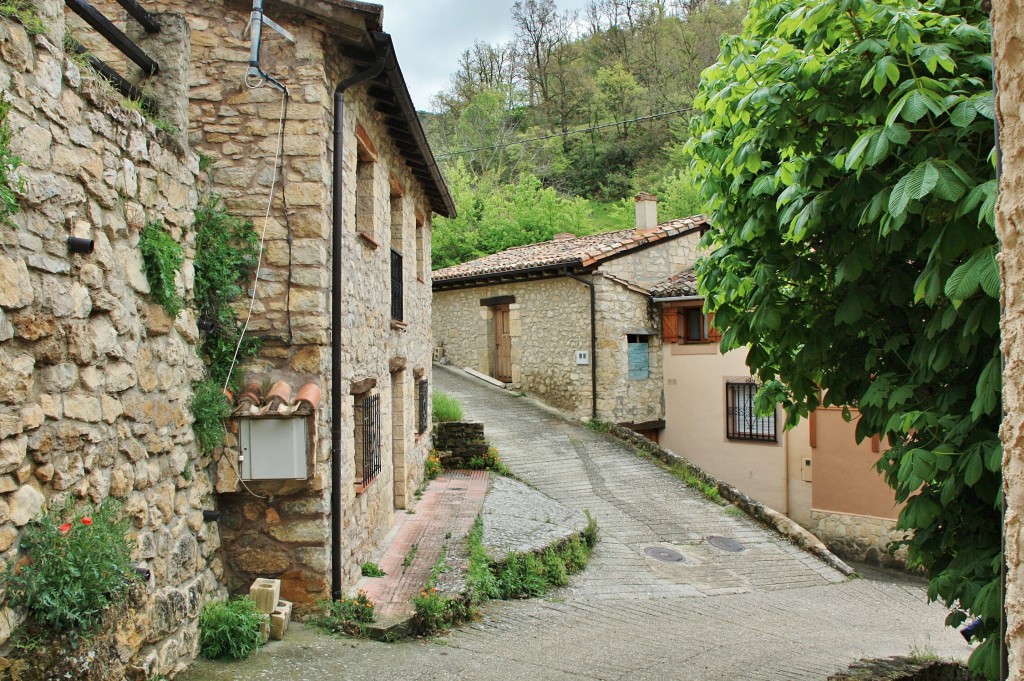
pixel 446 510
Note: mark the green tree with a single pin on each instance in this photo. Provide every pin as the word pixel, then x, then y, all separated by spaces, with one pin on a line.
pixel 846 152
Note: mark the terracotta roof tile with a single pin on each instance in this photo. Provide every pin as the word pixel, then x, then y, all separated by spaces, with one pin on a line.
pixel 278 401
pixel 679 284
pixel 579 251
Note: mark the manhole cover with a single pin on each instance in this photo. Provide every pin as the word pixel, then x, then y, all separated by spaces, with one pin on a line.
pixel 664 555
pixel 724 543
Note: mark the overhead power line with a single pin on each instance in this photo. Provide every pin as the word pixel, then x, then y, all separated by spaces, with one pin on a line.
pixel 652 117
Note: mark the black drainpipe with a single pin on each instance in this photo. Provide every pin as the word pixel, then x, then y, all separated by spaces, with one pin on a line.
pixel 380 48
pixel 593 341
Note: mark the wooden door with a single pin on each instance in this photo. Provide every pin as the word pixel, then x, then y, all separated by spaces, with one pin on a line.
pixel 502 345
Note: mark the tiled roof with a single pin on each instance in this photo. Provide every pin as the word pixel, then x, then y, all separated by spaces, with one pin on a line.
pixel 278 401
pixel 679 284
pixel 584 251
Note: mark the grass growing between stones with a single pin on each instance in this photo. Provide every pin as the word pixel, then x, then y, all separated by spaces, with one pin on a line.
pixel 520 575
pixel 25 13
pixel 446 408
pixel 9 163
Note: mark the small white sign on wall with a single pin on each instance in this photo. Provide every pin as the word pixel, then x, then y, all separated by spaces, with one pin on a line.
pixel 582 357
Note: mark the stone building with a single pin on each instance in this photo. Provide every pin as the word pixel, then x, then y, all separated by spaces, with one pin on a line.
pixel 570 320
pixel 330 434
pixel 816 473
pixel 1007 33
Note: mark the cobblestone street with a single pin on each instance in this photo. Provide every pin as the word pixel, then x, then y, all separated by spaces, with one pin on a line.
pixel 766 612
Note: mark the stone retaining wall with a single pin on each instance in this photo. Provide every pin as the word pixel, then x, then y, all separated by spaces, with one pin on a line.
pixel 860 538
pixel 95 390
pixel 457 442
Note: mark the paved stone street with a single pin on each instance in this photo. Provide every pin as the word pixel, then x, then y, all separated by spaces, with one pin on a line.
pixel 768 611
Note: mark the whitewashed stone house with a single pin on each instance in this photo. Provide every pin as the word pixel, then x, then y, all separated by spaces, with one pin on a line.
pixel 570 320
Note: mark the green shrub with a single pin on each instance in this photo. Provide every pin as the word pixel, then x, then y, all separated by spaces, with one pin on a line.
pixel 372 570
pixel 480 580
pixel 230 629
pixel 209 408
pixel 162 257
pixel 24 12
pixel 446 408
pixel 9 163
pixel 77 563
pixel 350 616
pixel 227 251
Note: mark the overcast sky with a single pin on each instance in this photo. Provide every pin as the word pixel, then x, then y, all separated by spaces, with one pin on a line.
pixel 430 35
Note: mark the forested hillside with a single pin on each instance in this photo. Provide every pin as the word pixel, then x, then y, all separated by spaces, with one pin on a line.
pixel 556 129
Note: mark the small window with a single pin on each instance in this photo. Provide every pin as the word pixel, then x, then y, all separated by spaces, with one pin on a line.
pixel 367 439
pixel 742 421
pixel 397 287
pixel 637 356
pixel 422 406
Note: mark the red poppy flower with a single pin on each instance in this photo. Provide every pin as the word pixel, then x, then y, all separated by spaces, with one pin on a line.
pixel 65 528
pixel 87 520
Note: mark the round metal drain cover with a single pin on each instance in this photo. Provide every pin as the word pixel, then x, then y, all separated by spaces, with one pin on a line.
pixel 664 555
pixel 725 544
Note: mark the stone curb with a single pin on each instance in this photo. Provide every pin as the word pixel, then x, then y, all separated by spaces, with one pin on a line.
pixel 796 534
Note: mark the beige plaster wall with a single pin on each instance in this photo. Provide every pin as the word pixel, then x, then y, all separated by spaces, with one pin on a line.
pixel 845 479
pixel 695 428
pixel 1008 45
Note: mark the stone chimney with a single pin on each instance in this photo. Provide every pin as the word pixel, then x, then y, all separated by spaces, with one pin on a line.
pixel 646 211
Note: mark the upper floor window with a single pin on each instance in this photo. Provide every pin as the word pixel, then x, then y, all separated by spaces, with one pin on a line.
pixel 366 204
pixel 688 323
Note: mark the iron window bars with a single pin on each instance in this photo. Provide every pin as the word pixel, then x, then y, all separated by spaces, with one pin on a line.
pixel 397 307
pixel 742 421
pixel 367 435
pixel 422 412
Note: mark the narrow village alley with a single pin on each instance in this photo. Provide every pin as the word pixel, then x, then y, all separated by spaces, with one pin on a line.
pixel 766 611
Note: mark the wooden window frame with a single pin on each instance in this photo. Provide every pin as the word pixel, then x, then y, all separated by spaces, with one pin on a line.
pixel 676 328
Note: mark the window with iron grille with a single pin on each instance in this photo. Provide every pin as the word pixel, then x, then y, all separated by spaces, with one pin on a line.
pixel 422 406
pixel 367 437
pixel 396 285
pixel 742 420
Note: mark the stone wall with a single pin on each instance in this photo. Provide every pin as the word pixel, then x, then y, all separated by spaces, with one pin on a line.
pixel 457 442
pixel 860 538
pixel 94 396
pixel 549 322
pixel 621 311
pixel 651 265
pixel 286 533
pixel 1008 29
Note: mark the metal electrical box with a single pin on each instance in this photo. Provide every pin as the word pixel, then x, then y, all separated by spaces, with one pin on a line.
pixel 582 357
pixel 272 448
